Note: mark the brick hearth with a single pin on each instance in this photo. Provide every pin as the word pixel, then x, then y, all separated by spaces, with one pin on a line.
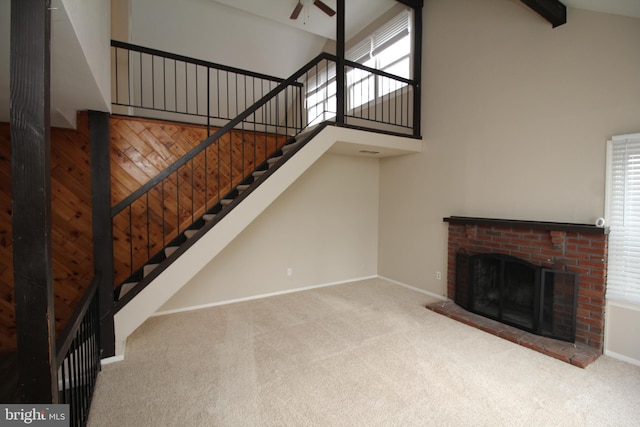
pixel 577 354
pixel 577 248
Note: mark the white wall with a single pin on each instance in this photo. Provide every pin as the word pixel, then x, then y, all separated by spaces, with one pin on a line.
pixel 515 119
pixel 80 59
pixel 91 21
pixel 325 227
pixel 214 32
pixel 621 331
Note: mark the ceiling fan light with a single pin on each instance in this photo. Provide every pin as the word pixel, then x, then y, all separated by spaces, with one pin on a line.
pixel 323 7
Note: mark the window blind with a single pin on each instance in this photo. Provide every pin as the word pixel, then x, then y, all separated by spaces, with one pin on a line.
pixel 389 33
pixel 623 217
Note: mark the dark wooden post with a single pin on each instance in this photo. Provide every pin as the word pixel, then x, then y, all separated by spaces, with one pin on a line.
pixel 417 6
pixel 31 199
pixel 340 66
pixel 102 230
pixel 417 67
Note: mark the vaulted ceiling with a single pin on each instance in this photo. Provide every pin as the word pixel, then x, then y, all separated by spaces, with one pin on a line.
pixel 359 13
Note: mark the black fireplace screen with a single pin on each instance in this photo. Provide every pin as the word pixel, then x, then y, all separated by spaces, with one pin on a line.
pixel 518 293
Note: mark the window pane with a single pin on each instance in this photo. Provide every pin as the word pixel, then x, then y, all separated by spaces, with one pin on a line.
pixel 394 52
pixel 362 92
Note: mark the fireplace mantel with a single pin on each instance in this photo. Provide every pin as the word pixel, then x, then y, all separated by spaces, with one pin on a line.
pixel 537 225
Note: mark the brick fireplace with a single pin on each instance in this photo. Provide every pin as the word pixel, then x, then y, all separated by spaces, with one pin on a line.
pixel 574 248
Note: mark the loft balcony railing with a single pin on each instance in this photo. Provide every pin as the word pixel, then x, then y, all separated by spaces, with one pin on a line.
pixel 168 86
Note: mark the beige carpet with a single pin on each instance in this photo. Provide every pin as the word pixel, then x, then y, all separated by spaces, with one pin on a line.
pixel 361 354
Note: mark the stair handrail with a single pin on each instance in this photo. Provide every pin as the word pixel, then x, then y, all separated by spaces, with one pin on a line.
pixel 218 134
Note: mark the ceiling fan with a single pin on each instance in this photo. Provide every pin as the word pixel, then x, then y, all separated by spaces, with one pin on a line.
pixel 321 5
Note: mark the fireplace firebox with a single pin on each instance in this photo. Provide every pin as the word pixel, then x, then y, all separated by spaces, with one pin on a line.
pixel 518 293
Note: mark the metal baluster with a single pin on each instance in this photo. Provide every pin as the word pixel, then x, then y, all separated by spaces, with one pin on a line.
pixel 242 149
pixel 164 83
pixel 228 112
pixel 153 81
pixel 129 77
pixel 76 382
pixel 148 226
pixel 230 159
pixel 141 97
pixel 197 92
pixel 178 197
pixel 162 207
pixel 192 191
pixel 208 102
pixel 186 89
pixel 130 240
pixel 117 97
pixel 206 180
pixel 175 86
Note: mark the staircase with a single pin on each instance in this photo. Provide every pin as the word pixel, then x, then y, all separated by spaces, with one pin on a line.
pixel 157 269
pixel 211 218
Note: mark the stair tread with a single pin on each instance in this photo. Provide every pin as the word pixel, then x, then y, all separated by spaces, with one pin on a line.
pixel 226 202
pixel 243 187
pixel 208 217
pixel 288 147
pixel 148 269
pixel 170 250
pixel 273 159
pixel 259 173
pixel 190 233
pixel 126 287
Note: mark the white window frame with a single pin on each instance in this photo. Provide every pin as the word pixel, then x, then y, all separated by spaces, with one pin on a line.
pixel 622 213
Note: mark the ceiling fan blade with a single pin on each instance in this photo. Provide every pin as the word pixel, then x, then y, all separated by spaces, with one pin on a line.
pixel 296 11
pixel 323 7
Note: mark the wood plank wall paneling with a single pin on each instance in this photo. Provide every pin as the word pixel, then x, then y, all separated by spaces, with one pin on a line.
pixel 71 223
pixel 140 149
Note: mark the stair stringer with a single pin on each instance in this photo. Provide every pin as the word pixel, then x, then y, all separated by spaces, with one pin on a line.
pixel 180 272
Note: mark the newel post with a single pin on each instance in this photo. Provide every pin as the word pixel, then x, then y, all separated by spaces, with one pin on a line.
pixel 340 66
pixel 102 230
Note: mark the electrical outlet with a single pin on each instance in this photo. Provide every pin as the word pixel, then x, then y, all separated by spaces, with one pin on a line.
pixel 438 275
pixel 289 272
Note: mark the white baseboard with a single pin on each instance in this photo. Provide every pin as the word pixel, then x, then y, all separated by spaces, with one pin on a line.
pixel 121 357
pixel 259 296
pixel 112 359
pixel 422 291
pixel 622 357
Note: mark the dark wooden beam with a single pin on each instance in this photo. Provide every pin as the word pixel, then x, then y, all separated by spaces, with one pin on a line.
pixel 340 72
pixel 415 4
pixel 31 199
pixel 551 10
pixel 417 69
pixel 102 229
